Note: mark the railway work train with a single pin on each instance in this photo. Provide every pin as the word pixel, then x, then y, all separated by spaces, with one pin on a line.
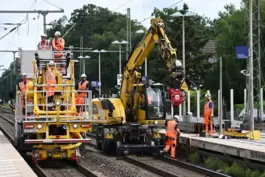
pixel 50 130
pixel 132 122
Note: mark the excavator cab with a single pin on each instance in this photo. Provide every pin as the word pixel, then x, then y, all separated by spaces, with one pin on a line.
pixel 150 103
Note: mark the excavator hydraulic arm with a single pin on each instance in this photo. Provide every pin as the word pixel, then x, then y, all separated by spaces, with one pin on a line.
pixel 155 34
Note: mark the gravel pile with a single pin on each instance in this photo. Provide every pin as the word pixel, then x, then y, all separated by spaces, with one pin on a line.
pixel 108 166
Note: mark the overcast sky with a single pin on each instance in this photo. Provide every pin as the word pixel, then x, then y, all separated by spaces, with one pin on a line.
pixel 27 36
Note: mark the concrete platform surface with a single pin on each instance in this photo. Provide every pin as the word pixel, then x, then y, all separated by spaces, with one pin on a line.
pixel 248 149
pixel 11 163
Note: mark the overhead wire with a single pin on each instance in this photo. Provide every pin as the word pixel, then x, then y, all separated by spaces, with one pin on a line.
pixel 95 20
pixel 52 4
pixel 176 3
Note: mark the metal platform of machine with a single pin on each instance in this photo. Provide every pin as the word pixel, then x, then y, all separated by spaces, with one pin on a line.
pixel 244 148
pixel 11 163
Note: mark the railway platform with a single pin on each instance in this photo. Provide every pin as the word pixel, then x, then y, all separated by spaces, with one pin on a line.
pixel 11 162
pixel 243 148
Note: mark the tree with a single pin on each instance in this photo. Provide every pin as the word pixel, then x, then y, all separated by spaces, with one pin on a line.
pixel 197 35
pixel 99 27
pixel 231 29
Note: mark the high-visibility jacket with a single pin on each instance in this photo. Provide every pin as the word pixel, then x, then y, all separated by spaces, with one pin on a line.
pixel 23 89
pixel 82 86
pixel 44 45
pixel 171 129
pixel 50 78
pixel 208 112
pixel 58 44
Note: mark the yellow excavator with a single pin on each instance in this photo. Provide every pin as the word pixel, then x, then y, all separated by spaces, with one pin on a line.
pixel 132 122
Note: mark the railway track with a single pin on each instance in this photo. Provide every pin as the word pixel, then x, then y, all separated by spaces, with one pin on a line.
pixel 161 166
pixel 165 166
pixel 48 168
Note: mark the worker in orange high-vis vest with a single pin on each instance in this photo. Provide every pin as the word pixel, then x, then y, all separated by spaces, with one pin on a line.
pixel 50 77
pixel 172 133
pixel 208 113
pixel 44 44
pixel 58 45
pixel 81 94
pixel 22 88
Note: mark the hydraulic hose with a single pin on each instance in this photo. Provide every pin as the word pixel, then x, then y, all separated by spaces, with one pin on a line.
pixel 69 147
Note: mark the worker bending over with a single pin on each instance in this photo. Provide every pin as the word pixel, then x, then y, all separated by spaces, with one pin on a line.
pixel 172 133
pixel 44 44
pixel 81 95
pixel 208 113
pixel 50 76
pixel 58 45
pixel 22 88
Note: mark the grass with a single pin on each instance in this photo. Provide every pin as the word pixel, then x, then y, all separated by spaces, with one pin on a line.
pixel 234 170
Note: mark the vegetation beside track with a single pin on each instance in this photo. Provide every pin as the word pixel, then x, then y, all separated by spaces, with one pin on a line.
pixel 233 169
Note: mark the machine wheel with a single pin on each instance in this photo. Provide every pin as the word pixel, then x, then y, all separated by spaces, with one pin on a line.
pixel 99 137
pixel 118 145
pixel 105 145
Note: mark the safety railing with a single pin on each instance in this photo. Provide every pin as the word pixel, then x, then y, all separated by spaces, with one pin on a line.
pixel 63 105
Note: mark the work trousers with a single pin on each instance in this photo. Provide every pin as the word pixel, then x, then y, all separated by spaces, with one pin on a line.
pixel 207 122
pixel 171 143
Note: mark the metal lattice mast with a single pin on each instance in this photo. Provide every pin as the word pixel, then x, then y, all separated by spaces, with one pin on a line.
pixel 256 54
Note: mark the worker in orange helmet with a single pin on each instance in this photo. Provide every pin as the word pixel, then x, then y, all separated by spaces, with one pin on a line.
pixel 208 113
pixel 50 77
pixel 81 95
pixel 172 133
pixel 22 88
pixel 44 44
pixel 58 45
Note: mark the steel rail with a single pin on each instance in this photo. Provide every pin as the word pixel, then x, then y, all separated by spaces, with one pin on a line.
pixel 178 163
pixel 37 169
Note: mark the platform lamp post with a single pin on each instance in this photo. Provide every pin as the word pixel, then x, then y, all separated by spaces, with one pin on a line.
pixel 188 14
pixel 120 43
pixel 84 63
pixel 99 68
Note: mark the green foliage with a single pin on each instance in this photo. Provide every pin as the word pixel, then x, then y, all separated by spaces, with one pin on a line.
pixel 195 158
pixel 215 164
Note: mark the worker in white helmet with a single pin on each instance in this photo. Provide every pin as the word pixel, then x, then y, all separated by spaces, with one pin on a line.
pixel 50 76
pixel 44 44
pixel 83 85
pixel 58 44
pixel 208 113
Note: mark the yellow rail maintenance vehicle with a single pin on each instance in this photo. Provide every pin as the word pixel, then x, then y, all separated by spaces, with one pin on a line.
pixel 132 122
pixel 50 130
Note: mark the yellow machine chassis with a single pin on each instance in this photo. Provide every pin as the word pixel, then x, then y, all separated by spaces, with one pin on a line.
pixel 45 145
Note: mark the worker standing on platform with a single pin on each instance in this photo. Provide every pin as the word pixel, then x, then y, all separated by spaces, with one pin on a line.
pixel 81 95
pixel 44 44
pixel 172 133
pixel 58 45
pixel 208 114
pixel 50 79
pixel 22 88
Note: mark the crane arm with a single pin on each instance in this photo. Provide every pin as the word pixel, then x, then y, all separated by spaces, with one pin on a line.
pixel 155 34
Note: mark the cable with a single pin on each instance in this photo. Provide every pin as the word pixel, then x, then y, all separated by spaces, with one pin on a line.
pixel 167 7
pixel 94 20
pixel 122 5
pixel 53 4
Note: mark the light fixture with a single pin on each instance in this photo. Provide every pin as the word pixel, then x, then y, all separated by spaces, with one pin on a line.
pixel 156 122
pixel 57 103
pixel 39 126
pixel 75 126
